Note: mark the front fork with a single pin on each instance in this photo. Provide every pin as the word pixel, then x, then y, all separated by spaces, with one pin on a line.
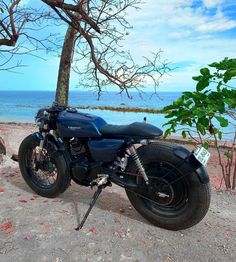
pixel 41 143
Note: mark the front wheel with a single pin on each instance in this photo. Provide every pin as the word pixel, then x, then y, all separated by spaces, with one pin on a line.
pixel 176 198
pixel 2 147
pixel 45 171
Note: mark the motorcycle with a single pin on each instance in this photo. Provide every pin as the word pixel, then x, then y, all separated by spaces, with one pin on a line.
pixel 165 183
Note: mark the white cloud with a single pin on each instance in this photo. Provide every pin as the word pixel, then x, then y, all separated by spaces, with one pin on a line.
pixel 185 34
pixel 211 3
pixel 176 15
pixel 216 26
pixel 180 34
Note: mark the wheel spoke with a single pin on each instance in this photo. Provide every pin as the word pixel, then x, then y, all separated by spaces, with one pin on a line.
pixel 167 187
pixel 46 174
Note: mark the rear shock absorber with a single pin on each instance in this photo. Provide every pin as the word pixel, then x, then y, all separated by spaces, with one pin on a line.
pixel 138 163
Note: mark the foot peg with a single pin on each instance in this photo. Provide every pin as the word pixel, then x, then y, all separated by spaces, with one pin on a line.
pixel 101 182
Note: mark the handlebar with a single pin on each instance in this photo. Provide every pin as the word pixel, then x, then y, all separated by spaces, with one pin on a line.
pixel 56 108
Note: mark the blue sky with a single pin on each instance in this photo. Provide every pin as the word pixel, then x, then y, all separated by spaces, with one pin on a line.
pixel 192 34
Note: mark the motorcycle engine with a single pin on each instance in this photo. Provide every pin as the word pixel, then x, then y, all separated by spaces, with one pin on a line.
pixel 83 171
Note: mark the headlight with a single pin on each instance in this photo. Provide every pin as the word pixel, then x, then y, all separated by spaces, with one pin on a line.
pixel 41 116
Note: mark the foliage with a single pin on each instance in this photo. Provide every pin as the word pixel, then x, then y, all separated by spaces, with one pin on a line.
pixel 204 113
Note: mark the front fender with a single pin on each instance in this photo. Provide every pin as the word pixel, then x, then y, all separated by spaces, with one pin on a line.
pixel 37 136
pixel 199 169
pixel 60 148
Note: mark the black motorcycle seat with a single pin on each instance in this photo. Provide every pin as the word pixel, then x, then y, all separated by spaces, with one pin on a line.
pixel 136 129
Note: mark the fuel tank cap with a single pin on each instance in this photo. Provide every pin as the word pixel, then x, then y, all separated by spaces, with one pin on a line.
pixel 71 110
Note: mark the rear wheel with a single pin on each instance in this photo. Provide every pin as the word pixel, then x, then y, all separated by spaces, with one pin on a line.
pixel 176 199
pixel 45 171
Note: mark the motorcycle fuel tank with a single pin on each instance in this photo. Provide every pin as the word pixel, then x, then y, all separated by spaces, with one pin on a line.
pixel 71 123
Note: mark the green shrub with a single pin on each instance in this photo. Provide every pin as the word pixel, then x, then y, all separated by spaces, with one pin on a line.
pixel 203 114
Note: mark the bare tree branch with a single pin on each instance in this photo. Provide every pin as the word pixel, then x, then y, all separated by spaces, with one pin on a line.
pixel 19 23
pixel 99 46
pixel 70 10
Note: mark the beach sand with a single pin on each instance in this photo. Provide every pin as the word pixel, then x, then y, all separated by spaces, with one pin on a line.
pixel 33 228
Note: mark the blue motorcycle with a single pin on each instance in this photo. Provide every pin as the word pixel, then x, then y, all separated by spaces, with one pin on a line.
pixel 165 183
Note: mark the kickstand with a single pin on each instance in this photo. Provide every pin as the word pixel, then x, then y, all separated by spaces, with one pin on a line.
pixel 92 203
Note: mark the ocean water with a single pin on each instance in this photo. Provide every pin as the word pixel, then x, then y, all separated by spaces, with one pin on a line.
pixel 21 106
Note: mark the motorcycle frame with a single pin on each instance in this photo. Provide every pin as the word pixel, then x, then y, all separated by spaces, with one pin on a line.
pixel 180 152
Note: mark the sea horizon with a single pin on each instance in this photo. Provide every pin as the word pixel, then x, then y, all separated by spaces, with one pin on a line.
pixel 22 106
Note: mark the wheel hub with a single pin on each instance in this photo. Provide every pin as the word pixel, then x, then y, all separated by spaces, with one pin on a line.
pixel 46 165
pixel 162 192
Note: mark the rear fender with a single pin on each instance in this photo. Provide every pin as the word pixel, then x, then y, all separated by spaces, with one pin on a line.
pixel 198 168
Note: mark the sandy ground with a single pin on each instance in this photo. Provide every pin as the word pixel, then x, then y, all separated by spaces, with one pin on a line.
pixel 33 228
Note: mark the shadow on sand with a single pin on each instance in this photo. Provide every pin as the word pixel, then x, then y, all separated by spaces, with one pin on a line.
pixel 112 199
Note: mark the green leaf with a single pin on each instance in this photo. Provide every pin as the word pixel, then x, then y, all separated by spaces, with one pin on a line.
pixel 225 64
pixel 232 73
pixel 187 95
pixel 223 121
pixel 179 100
pixel 215 96
pixel 202 84
pixel 200 113
pixel 229 74
pixel 220 135
pixel 167 133
pixel 201 128
pixel 218 86
pixel 197 78
pixel 171 114
pixel 205 71
pixel 226 78
pixel 214 64
pixel 205 145
pixel 188 103
pixel 229 155
pixel 204 121
pixel 1 10
pixel 184 134
pixel 168 108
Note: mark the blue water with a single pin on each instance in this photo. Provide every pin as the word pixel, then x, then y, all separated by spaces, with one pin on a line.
pixel 21 106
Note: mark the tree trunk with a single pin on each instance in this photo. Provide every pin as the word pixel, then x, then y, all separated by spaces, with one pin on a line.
pixel 67 53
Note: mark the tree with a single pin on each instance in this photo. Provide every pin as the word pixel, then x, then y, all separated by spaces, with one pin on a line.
pixel 63 80
pixel 101 26
pixel 97 29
